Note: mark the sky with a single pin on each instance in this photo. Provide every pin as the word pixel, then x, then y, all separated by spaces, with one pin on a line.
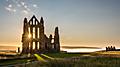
pixel 94 23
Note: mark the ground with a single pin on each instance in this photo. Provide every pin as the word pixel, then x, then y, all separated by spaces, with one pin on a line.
pixel 96 59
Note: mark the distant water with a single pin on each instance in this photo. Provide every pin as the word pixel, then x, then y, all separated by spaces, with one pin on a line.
pixel 80 50
pixel 8 50
pixel 8 47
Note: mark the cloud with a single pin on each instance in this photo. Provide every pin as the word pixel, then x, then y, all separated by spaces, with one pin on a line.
pixel 25 6
pixel 7 8
pixel 25 11
pixel 20 5
pixel 23 3
pixel 10 5
pixel 34 5
pixel 10 9
pixel 14 10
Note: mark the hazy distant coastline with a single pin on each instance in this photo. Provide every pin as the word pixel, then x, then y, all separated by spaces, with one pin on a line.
pixel 63 48
pixel 73 47
pixel 8 48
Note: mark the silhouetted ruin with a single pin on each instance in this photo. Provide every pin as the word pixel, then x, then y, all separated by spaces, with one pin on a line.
pixel 112 48
pixel 18 49
pixel 33 35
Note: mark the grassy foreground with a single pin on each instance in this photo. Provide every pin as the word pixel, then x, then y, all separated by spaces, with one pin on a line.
pixel 63 55
pixel 15 61
pixel 86 62
pixel 71 60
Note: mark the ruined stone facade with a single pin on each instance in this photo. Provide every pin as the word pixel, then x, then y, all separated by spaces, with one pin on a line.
pixel 33 35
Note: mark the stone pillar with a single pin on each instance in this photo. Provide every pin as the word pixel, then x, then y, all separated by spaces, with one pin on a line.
pixel 50 42
pixel 42 33
pixel 18 49
pixel 56 40
pixel 25 44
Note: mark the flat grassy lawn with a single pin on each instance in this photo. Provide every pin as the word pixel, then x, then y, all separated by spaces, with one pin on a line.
pixel 108 52
pixel 86 62
pixel 70 60
pixel 64 55
pixel 82 61
pixel 13 61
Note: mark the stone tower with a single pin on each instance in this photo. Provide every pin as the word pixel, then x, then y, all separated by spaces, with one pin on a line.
pixel 56 40
pixel 34 36
pixel 25 34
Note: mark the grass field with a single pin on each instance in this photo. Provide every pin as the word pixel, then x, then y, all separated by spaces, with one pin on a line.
pixel 72 60
pixel 108 59
pixel 15 61
pixel 63 55
pixel 86 62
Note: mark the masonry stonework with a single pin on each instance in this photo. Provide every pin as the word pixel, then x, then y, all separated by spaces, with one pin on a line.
pixel 33 35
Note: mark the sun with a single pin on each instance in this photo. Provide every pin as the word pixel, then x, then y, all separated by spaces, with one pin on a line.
pixel 29 35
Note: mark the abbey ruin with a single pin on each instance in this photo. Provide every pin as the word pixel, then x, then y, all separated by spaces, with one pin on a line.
pixel 33 35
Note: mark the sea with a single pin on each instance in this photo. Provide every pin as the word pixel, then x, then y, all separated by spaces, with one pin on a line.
pixel 12 50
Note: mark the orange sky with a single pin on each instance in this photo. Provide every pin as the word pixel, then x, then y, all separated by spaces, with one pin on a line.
pixel 94 23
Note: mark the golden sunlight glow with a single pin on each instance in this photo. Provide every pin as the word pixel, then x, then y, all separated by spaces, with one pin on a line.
pixel 47 56
pixel 39 58
pixel 29 35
